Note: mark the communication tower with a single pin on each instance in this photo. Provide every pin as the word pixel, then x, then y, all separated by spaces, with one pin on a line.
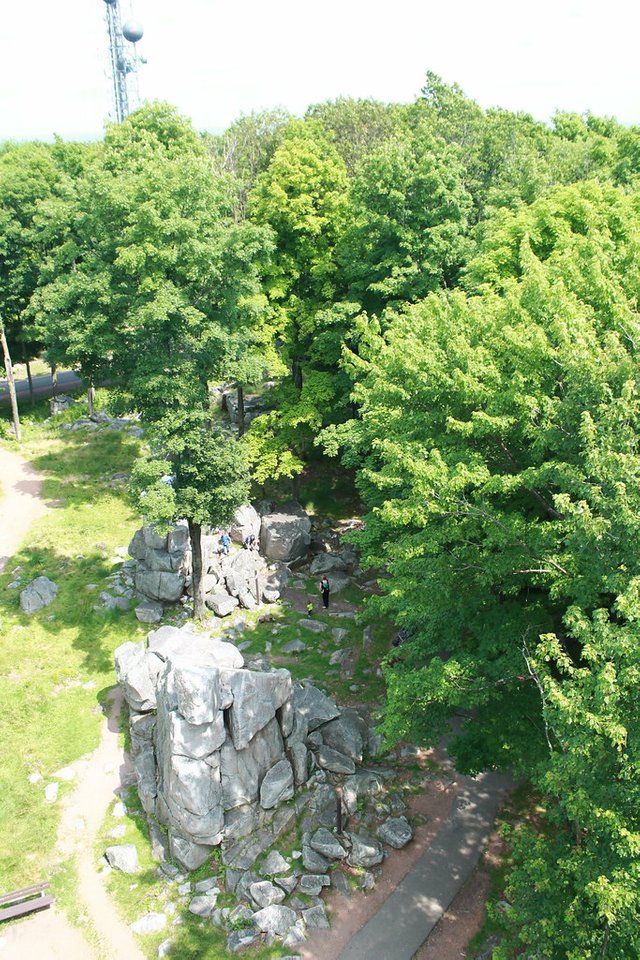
pixel 124 60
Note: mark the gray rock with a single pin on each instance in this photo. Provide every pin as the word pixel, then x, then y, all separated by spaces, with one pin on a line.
pixel 154 540
pixel 273 863
pixel 275 919
pixel 339 582
pixel 239 940
pixel 313 861
pixel 38 594
pixel 188 854
pixel 343 735
pixel 341 884
pixel 203 886
pixel 312 884
pixel 295 937
pixel 316 918
pixel 264 893
pixel 256 697
pixel 243 770
pixel 367 881
pixel 245 522
pixel 315 626
pixel 164 950
pixel 159 584
pixel 285 535
pixel 203 905
pixel 277 785
pixel 123 857
pixel 339 633
pixel 396 831
pixel 288 883
pixel 365 851
pixel 363 785
pixel 334 761
pixel 241 915
pixel 327 563
pixel 150 923
pixel 286 718
pixel 132 671
pixel 178 539
pixel 222 604
pixel 294 646
pixel 314 706
pixel 149 612
pixel 324 842
pixel 299 759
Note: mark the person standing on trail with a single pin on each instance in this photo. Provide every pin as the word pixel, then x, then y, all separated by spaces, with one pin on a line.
pixel 324 590
pixel 225 543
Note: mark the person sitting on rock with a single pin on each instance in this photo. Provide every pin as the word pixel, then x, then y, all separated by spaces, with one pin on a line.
pixel 250 542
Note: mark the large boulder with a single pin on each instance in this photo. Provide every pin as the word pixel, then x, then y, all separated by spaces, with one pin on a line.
pixel 38 594
pixel 327 563
pixel 343 734
pixel 159 584
pixel 286 535
pixel 245 522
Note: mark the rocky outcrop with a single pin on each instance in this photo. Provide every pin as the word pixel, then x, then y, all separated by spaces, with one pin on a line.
pixel 285 535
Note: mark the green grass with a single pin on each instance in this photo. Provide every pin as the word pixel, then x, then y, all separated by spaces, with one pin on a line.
pixel 57 665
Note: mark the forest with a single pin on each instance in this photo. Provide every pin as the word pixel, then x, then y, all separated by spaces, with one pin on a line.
pixel 443 301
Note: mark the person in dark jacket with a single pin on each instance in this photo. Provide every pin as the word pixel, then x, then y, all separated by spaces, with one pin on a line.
pixel 324 590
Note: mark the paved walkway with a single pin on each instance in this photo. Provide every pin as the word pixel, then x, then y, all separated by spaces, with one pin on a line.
pixel 20 502
pixel 408 916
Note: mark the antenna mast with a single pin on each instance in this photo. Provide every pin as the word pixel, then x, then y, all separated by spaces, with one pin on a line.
pixel 123 63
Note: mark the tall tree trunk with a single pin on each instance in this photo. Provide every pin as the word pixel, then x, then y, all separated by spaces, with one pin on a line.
pixel 295 487
pixel 197 582
pixel 29 377
pixel 54 379
pixel 240 410
pixel 12 384
pixel 296 372
pixel 91 398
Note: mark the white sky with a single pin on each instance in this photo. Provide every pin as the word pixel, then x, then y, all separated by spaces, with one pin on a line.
pixel 216 60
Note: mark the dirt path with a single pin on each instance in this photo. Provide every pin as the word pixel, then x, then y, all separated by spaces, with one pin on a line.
pixel 49 935
pixel 20 503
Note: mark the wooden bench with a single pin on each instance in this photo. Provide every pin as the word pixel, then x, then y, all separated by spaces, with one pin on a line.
pixel 18 902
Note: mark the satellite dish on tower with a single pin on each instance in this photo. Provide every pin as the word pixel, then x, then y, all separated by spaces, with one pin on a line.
pixel 132 30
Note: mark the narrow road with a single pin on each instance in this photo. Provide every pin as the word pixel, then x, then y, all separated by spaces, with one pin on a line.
pixel 409 914
pixel 68 381
pixel 20 502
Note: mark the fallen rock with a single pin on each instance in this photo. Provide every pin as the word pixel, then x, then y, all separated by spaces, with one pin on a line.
pixel 222 604
pixel 396 831
pixel 38 594
pixel 149 612
pixel 316 918
pixel 264 893
pixel 324 842
pixel 294 646
pixel 273 863
pixel 365 851
pixel 123 857
pixel 150 923
pixel 275 919
pixel 239 940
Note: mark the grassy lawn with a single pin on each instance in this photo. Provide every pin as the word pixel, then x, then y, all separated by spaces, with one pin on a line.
pixel 57 665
